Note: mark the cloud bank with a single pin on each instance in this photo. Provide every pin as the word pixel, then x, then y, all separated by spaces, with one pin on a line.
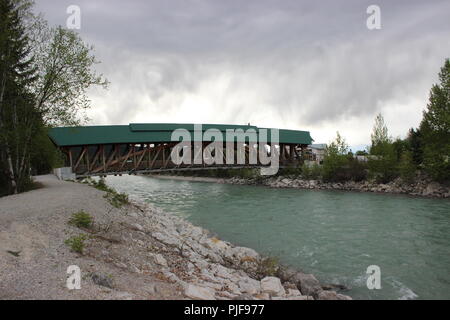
pixel 305 65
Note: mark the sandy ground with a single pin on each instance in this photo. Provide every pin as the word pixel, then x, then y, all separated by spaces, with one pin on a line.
pixel 34 258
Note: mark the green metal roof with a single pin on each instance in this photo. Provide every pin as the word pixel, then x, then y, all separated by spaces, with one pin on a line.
pixel 154 133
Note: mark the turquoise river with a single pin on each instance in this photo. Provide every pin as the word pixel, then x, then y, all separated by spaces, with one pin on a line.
pixel 334 235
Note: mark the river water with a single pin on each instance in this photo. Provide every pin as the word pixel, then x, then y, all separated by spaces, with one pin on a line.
pixel 334 235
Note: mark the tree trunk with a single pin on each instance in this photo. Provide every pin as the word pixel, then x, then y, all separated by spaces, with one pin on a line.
pixel 10 169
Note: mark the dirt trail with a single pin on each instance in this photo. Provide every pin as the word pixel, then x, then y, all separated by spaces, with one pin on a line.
pixel 34 258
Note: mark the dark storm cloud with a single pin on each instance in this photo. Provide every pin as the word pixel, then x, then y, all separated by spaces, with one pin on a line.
pixel 299 62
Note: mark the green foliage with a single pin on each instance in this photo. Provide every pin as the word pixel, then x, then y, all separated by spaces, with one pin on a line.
pixel 65 65
pixel 17 116
pixel 45 74
pixel 101 185
pixel 311 172
pixel 435 128
pixel 117 200
pixel 379 135
pixel 268 266
pixel 361 153
pixel 383 166
pixel 335 159
pixel 44 156
pixel 81 219
pixel 407 167
pixel 76 243
pixel 383 159
pixel 290 171
pixel 414 140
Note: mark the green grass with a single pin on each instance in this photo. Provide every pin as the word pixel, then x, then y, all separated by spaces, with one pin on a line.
pixel 116 199
pixel 81 219
pixel 269 266
pixel 76 243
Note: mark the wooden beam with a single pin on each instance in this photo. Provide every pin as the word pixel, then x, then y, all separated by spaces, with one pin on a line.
pixel 140 159
pixel 126 158
pixel 79 158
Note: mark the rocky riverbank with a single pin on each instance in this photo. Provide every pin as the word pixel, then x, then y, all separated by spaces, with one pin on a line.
pixel 131 252
pixel 423 187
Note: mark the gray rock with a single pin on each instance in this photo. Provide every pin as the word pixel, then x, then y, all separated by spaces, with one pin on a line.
pixel 286 273
pixel 332 295
pixel 102 280
pixel 159 259
pixel 307 284
pixel 272 285
pixel 137 227
pixel 432 188
pixel 293 292
pixel 250 286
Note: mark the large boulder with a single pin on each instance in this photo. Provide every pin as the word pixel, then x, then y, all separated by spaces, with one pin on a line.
pixel 250 286
pixel 272 286
pixel 307 284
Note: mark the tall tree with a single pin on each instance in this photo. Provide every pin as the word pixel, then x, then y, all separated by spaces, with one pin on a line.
pixel 17 73
pixel 66 71
pixel 45 74
pixel 383 160
pixel 435 128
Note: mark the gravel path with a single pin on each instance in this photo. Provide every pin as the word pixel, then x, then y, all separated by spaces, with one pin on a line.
pixel 34 258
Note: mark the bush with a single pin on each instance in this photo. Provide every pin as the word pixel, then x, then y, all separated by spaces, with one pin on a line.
pixel 313 172
pixel 81 219
pixel 383 165
pixel 407 168
pixel 290 171
pixel 117 200
pixel 76 243
pixel 268 266
pixel 101 185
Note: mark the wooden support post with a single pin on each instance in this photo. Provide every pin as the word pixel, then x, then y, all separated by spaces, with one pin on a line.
pixel 96 156
pixel 155 158
pixel 140 159
pixel 70 158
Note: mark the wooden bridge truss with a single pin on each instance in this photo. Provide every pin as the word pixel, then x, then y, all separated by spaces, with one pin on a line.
pixel 129 158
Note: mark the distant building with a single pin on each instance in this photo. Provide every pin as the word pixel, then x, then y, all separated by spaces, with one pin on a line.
pixel 317 152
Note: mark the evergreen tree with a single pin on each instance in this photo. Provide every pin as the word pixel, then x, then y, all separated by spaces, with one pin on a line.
pixel 414 140
pixel 435 128
pixel 17 74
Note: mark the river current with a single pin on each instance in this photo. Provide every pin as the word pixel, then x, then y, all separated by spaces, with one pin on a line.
pixel 334 235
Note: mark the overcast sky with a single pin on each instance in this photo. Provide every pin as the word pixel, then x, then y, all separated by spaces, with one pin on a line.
pixel 306 65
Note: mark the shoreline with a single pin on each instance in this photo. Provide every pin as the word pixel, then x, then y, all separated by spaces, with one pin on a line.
pixel 423 189
pixel 132 252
